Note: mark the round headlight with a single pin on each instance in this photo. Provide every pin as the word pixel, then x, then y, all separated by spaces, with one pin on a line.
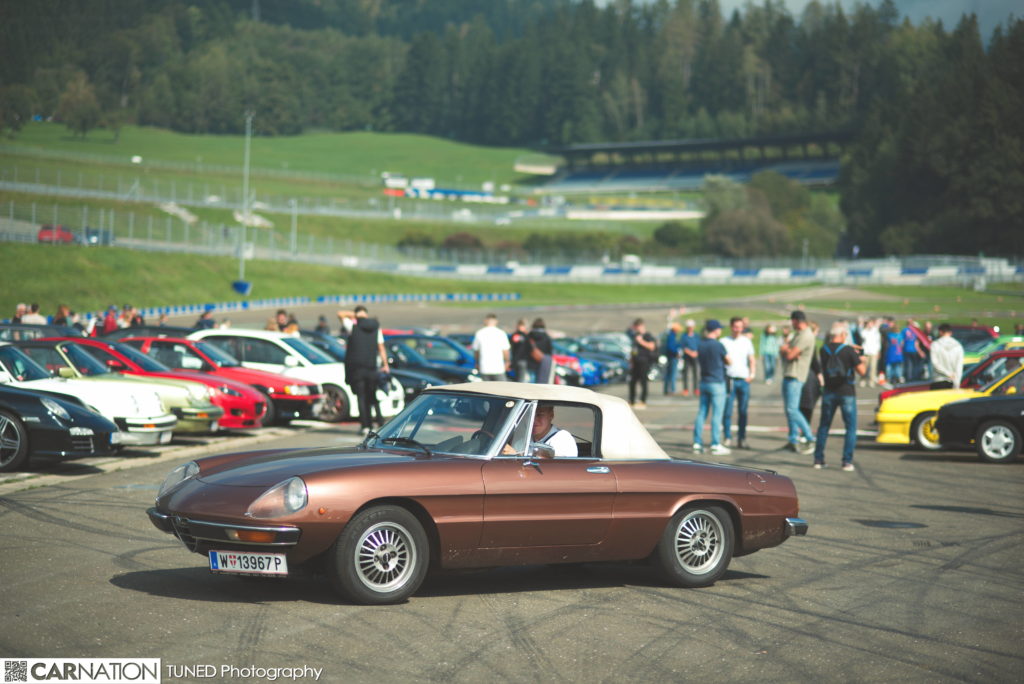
pixel 284 498
pixel 55 408
pixel 177 476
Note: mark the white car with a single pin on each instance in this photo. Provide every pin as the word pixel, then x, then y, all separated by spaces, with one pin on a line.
pixel 291 355
pixel 139 413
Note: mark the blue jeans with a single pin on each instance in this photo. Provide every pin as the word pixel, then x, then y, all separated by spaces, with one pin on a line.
pixel 711 394
pixel 739 391
pixel 769 366
pixel 671 371
pixel 791 390
pixel 847 405
pixel 893 370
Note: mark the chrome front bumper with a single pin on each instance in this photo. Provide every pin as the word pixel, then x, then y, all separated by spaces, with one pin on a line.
pixel 795 527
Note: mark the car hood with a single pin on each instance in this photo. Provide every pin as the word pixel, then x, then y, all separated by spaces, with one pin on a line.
pixel 265 469
pixel 923 401
pixel 173 392
pixel 110 398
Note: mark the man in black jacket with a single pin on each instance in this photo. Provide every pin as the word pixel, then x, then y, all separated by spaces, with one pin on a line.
pixel 365 345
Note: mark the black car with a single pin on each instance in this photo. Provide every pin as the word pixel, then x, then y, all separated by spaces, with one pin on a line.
pixel 43 424
pixel 993 425
pixel 413 380
pixel 401 357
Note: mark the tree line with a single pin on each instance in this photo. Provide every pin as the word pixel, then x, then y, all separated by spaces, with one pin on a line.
pixel 937 157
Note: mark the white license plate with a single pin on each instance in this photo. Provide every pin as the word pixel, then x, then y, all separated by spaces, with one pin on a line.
pixel 248 562
pixel 165 437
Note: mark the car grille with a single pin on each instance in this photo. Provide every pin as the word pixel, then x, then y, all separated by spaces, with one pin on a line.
pixel 83 445
pixel 182 532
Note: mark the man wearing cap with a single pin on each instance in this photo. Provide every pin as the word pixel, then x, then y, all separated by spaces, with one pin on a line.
pixel 797 352
pixel 713 358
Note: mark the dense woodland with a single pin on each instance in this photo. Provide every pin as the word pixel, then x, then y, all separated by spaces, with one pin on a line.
pixel 938 162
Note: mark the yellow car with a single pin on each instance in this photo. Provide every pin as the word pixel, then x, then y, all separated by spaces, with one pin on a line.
pixel 910 417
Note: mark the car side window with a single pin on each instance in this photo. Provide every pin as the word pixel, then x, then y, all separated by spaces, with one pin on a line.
pixel 50 359
pixel 1014 385
pixel 105 357
pixel 581 420
pixel 261 351
pixel 228 344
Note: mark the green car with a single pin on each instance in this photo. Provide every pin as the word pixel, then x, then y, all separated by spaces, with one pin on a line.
pixel 188 401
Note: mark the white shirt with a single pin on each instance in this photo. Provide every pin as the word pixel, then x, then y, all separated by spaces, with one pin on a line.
pixel 872 339
pixel 490 343
pixel 740 350
pixel 33 319
pixel 948 359
pixel 561 441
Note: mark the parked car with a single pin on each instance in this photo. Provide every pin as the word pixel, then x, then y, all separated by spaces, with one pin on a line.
pixel 280 353
pixel 286 398
pixel 992 425
pixel 436 349
pixel 413 381
pixel 243 406
pixel 188 401
pixel 403 357
pixel 137 411
pixel 910 418
pixel 149 331
pixel 103 237
pixel 995 365
pixel 456 481
pixel 40 424
pixel 14 332
pixel 589 371
pixel 55 234
pixel 975 351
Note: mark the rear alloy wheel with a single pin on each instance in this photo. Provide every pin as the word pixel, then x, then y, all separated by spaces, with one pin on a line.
pixel 696 546
pixel 13 442
pixel 924 432
pixel 381 556
pixel 334 407
pixel 998 442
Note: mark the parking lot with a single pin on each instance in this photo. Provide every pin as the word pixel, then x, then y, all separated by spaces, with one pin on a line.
pixel 911 571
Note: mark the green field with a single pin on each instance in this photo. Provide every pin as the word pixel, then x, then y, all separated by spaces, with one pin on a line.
pixel 89 279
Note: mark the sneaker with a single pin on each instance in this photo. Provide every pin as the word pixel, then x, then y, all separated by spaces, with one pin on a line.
pixel 819 466
pixel 727 441
pixel 719 450
pixel 639 405
pixel 742 444
pixel 848 467
pixel 698 449
pixel 808 448
pixel 365 431
pixel 793 446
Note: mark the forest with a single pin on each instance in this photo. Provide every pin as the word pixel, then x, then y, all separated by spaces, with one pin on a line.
pixel 937 163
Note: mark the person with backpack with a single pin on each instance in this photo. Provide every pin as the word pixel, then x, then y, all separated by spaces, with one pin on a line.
pixel 840 366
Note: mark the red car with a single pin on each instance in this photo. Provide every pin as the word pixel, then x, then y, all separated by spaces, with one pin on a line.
pixel 49 233
pixel 244 406
pixel 286 397
pixel 988 369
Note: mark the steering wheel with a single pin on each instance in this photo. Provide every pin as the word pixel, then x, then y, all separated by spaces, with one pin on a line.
pixel 482 434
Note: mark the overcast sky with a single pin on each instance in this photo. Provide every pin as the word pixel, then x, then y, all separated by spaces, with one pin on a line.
pixel 990 12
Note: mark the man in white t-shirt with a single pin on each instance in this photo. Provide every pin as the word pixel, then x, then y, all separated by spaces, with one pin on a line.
pixel 738 376
pixel 491 348
pixel 546 432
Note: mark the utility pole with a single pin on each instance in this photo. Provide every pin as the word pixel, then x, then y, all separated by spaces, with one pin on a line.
pixel 245 196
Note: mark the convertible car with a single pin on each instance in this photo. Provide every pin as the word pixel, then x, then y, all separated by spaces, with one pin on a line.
pixel 993 425
pixel 463 477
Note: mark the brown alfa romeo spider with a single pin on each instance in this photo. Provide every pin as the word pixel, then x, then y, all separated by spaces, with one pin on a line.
pixel 477 475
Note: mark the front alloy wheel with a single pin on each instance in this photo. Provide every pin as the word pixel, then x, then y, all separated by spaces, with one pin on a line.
pixel 924 432
pixel 13 442
pixel 334 408
pixel 381 557
pixel 998 442
pixel 696 546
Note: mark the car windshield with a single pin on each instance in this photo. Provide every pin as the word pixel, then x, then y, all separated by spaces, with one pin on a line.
pixel 20 366
pixel 449 423
pixel 305 349
pixel 219 356
pixel 144 362
pixel 329 345
pixel 84 362
pixel 976 345
pixel 999 370
pixel 408 355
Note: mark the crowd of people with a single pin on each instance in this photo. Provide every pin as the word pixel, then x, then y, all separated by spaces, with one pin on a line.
pixel 91 324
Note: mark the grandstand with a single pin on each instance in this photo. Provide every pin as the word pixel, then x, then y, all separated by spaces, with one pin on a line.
pixel 672 165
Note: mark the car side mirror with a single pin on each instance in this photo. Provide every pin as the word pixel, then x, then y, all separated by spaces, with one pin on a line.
pixel 539 450
pixel 65 372
pixel 291 361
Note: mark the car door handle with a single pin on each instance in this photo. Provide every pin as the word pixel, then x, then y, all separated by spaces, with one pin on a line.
pixel 600 470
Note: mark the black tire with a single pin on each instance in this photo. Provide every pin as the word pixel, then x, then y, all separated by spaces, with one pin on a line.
pixel 334 407
pixel 923 432
pixel 381 556
pixel 998 441
pixel 13 442
pixel 270 417
pixel 696 546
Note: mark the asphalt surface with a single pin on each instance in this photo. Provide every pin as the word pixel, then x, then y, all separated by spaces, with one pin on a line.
pixel 911 571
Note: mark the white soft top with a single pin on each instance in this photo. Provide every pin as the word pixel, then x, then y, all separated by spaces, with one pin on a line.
pixel 623 436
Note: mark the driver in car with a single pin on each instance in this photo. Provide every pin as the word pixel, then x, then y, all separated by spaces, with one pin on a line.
pixel 546 432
